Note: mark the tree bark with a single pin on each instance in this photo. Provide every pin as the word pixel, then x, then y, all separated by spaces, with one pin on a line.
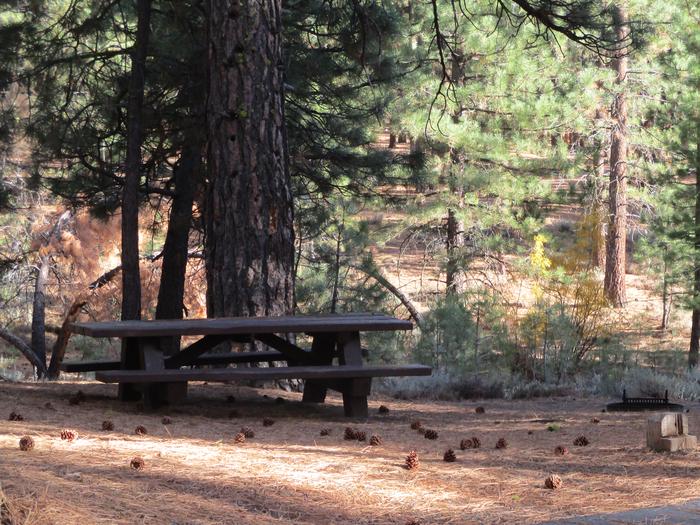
pixel 39 313
pixel 615 263
pixel 59 347
pixel 131 277
pixel 172 281
pixel 249 247
pixel 695 327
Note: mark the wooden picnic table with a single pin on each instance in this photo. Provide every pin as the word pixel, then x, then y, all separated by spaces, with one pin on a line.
pixel 334 360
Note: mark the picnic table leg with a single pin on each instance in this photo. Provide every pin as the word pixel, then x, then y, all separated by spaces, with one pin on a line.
pixel 322 348
pixel 355 391
pixel 129 361
pixel 355 394
pixel 158 394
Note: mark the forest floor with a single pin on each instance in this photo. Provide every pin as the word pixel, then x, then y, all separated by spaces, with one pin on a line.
pixel 195 473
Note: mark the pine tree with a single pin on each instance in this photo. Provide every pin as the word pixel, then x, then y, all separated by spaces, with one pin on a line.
pixel 615 260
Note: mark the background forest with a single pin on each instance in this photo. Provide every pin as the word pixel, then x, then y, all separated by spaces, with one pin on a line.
pixel 531 202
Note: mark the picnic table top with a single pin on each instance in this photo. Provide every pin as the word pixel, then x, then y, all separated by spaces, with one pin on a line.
pixel 354 322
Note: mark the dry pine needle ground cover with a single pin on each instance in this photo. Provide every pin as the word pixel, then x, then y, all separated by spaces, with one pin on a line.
pixel 194 472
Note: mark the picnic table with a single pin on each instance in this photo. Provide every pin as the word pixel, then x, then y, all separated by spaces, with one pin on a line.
pixel 334 360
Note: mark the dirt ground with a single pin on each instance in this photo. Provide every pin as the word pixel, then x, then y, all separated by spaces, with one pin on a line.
pixel 195 473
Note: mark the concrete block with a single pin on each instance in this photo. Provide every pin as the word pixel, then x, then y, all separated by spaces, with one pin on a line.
pixel 666 425
pixel 676 443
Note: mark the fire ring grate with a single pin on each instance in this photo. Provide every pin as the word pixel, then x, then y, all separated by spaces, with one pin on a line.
pixel 639 404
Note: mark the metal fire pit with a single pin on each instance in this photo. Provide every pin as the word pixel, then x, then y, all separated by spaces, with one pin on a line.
pixel 639 404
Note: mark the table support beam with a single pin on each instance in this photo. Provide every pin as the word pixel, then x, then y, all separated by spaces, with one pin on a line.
pixel 322 352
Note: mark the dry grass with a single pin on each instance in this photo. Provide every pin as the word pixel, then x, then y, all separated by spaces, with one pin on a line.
pixel 288 473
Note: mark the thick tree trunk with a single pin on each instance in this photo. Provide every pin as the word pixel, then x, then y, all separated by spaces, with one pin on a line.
pixel 131 277
pixel 615 263
pixel 172 280
pixel 249 247
pixel 39 314
pixel 695 328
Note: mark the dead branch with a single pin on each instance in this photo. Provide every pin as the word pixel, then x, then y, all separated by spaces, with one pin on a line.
pixel 376 274
pixel 23 346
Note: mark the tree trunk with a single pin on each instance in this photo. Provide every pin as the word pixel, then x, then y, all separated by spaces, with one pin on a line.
pixel 615 263
pixel 59 348
pixel 131 277
pixel 336 267
pixel 172 278
pixel 249 248
pixel 667 298
pixel 695 329
pixel 454 236
pixel 39 314
pixel 598 233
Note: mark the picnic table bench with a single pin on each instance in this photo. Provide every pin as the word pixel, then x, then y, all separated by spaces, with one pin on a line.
pixel 334 360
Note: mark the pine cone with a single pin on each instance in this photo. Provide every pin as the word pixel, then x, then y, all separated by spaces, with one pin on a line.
pixel 140 430
pixel 26 443
pixel 595 420
pixel 350 434
pixel 325 431
pixel 107 425
pixel 16 416
pixel 553 482
pixel 239 438
pixel 412 460
pixel 78 398
pixel 561 450
pixel 581 441
pixel 360 435
pixel 383 409
pixel 502 443
pixel 431 434
pixel 449 456
pixel 465 444
pixel 416 425
pixel 422 430
pixel 267 422
pixel 480 410
pixel 375 441
pixel 137 463
pixel 247 432
pixel 476 442
pixel 68 435
pixel 166 420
